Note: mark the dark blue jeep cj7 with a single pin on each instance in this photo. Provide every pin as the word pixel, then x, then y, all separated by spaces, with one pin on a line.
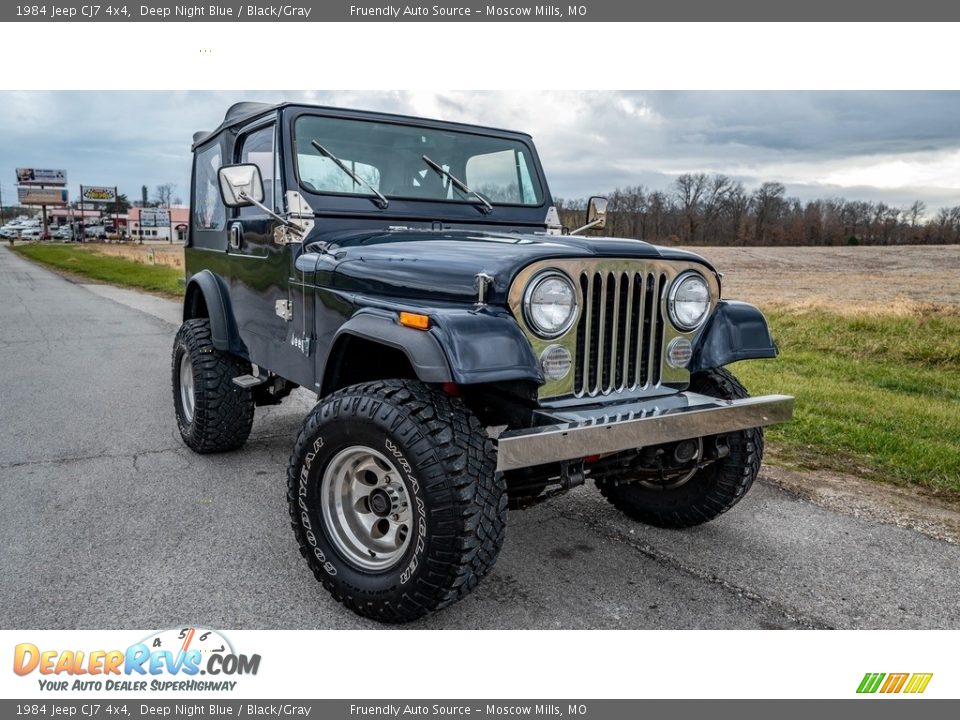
pixel 468 353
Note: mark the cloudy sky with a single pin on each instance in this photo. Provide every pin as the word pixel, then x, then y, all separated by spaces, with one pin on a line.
pixel 890 146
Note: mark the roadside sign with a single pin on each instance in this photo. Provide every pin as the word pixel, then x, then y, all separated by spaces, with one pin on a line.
pixel 41 196
pixel 93 194
pixel 154 217
pixel 38 176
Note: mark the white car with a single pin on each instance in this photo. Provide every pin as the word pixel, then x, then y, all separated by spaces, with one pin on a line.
pixel 31 233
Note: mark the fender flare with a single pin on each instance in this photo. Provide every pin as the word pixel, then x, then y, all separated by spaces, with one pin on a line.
pixel 735 331
pixel 464 347
pixel 223 326
pixel 486 346
pixel 421 348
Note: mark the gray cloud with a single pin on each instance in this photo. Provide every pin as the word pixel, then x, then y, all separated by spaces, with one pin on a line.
pixel 890 146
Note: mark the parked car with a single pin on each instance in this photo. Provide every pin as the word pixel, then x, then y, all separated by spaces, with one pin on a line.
pixel 467 352
pixel 96 232
pixel 22 223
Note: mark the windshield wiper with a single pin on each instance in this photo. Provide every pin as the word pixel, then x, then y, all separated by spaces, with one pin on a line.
pixel 459 185
pixel 381 201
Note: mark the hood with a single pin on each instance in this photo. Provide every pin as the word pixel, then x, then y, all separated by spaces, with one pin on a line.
pixel 443 264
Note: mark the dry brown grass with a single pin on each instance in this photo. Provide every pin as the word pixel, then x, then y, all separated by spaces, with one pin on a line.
pixel 848 280
pixel 148 254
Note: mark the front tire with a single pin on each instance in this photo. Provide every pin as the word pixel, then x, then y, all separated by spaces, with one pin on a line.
pixel 213 414
pixel 395 500
pixel 710 491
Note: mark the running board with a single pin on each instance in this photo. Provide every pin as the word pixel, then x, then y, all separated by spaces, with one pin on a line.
pixel 250 381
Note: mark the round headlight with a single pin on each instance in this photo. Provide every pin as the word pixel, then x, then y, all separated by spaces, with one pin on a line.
pixel 689 301
pixel 550 304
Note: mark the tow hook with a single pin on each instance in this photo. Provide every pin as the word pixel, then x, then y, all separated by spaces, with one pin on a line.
pixel 571 474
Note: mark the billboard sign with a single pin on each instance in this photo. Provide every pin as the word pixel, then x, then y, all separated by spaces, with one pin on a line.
pixel 38 176
pixel 154 217
pixel 41 196
pixel 93 194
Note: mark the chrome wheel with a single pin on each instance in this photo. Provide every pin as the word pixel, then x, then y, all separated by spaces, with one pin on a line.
pixel 186 388
pixel 366 508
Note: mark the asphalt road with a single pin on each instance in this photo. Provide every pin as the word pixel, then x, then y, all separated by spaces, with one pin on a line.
pixel 107 520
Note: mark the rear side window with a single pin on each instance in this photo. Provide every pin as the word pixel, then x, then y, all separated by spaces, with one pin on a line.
pixel 208 210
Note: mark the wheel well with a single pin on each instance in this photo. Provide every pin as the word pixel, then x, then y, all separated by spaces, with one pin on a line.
pixel 355 359
pixel 194 304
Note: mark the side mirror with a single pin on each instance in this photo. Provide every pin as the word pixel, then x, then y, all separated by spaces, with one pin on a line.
pixel 597 213
pixel 240 185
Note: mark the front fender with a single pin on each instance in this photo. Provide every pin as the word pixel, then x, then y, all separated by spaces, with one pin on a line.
pixel 735 331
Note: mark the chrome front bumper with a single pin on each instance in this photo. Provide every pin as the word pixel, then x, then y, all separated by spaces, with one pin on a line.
pixel 597 430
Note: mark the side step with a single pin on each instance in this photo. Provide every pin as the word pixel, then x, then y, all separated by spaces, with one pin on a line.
pixel 250 381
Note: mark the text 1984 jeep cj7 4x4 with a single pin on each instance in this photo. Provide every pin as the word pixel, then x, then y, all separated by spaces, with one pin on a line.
pixel 467 352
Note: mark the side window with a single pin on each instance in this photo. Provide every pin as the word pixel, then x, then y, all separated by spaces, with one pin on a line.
pixel 257 148
pixel 208 211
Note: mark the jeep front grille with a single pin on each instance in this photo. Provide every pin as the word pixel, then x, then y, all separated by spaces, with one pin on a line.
pixel 620 332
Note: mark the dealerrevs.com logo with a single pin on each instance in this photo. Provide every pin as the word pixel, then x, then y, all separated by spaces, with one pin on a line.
pixel 167 660
pixel 892 683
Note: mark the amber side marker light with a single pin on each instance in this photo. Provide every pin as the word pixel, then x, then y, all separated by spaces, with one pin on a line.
pixel 415 321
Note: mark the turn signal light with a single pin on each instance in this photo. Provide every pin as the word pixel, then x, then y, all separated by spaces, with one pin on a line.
pixel 415 320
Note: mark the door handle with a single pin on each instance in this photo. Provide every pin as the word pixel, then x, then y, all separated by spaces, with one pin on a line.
pixel 236 235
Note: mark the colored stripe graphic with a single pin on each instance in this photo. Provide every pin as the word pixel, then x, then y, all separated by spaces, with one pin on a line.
pixel 870 682
pixel 894 683
pixel 918 682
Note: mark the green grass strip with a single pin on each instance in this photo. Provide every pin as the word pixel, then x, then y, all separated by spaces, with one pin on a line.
pixel 876 396
pixel 105 268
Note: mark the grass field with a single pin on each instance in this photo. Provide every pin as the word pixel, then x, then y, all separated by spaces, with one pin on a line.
pixel 876 380
pixel 876 394
pixel 85 262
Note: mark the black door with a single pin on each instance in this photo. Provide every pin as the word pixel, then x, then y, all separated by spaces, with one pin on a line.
pixel 260 269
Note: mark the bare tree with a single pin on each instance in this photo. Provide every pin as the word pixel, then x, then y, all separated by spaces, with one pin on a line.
pixel 163 195
pixel 690 190
pixel 916 211
pixel 767 201
pixel 712 209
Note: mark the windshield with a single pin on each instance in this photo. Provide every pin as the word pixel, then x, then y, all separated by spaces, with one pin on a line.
pixel 389 158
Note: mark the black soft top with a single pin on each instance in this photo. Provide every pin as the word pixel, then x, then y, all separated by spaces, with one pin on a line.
pixel 242 112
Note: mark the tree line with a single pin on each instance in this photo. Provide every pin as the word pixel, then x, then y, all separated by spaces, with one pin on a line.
pixel 702 209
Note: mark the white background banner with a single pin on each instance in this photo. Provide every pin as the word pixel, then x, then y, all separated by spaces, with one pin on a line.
pixel 552 664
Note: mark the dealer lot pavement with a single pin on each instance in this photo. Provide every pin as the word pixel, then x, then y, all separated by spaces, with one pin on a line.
pixel 107 520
